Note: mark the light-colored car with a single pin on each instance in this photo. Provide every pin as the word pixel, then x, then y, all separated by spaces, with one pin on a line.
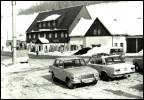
pixel 138 62
pixel 73 70
pixel 111 66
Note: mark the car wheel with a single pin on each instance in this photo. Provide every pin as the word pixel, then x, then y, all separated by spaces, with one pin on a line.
pixel 53 77
pixel 137 67
pixel 69 84
pixel 104 76
pixel 94 82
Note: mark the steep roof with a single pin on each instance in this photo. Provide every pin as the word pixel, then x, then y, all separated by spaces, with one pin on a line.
pixel 120 17
pixel 82 27
pixel 67 16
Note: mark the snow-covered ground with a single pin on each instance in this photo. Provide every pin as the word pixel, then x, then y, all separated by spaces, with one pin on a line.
pixel 33 81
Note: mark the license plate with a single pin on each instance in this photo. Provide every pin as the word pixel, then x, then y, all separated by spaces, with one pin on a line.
pixel 87 80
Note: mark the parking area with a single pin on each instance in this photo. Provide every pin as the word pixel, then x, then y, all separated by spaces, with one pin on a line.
pixel 34 82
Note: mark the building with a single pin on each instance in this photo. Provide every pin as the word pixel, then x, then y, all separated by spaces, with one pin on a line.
pixel 113 24
pixel 55 26
pixel 116 24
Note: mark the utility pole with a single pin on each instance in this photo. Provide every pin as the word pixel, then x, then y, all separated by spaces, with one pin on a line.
pixel 13 33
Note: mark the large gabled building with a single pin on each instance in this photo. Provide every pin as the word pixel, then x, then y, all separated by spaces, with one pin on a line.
pixel 116 24
pixel 56 26
pixel 113 24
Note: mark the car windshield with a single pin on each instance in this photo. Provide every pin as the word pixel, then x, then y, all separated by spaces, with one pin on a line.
pixel 74 63
pixel 114 60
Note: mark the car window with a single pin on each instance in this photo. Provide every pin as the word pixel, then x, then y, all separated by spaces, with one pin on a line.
pixel 98 61
pixel 114 60
pixel 74 63
pixel 56 63
pixel 95 60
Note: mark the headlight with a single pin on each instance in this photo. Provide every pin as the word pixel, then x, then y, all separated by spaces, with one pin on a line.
pixel 117 70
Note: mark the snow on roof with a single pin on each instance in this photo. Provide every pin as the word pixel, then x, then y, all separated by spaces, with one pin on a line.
pixel 125 17
pixel 43 40
pixel 52 17
pixel 82 27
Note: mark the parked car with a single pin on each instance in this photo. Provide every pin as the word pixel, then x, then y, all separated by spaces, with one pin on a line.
pixel 73 70
pixel 110 66
pixel 117 51
pixel 138 62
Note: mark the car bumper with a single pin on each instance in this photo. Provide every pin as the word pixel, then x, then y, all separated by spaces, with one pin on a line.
pixel 89 80
pixel 121 75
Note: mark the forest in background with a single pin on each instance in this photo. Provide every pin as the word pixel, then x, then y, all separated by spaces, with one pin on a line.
pixel 55 5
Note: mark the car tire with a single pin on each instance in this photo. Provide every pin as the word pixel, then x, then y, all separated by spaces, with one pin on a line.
pixel 94 82
pixel 69 84
pixel 104 76
pixel 53 77
pixel 137 68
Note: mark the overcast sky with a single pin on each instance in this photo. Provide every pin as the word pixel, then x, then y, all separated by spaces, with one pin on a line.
pixel 6 6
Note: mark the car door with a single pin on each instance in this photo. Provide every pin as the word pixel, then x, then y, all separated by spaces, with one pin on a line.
pixel 96 63
pixel 58 69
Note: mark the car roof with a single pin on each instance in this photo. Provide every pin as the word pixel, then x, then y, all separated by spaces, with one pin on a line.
pixel 68 58
pixel 106 56
pixel 111 56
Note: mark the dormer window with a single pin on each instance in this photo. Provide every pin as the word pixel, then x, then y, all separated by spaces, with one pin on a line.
pixel 44 24
pixel 54 23
pixel 48 24
pixel 40 25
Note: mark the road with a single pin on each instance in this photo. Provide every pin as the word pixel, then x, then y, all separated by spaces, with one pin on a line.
pixel 35 82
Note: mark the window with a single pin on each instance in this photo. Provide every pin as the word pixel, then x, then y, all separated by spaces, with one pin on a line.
pixel 50 35
pixel 44 35
pixel 55 35
pixel 48 24
pixel 116 44
pixel 44 24
pixel 62 35
pixel 40 25
pixel 34 36
pixel 94 32
pixel 38 35
pixel 99 31
pixel 121 44
pixel 54 23
pixel 29 36
pixel 66 35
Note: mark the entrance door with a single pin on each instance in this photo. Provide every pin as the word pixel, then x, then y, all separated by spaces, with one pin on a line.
pixel 39 48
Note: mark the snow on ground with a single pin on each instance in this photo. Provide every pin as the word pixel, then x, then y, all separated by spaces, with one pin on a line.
pixel 34 82
pixel 95 50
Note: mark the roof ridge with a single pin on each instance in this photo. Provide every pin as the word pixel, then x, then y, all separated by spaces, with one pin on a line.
pixel 62 8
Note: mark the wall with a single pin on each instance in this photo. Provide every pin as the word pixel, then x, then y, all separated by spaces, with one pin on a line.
pixel 118 40
pixel 103 40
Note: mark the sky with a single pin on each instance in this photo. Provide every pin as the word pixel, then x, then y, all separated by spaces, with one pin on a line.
pixel 7 7
pixel 22 22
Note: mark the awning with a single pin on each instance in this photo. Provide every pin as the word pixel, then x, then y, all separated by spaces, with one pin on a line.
pixel 41 41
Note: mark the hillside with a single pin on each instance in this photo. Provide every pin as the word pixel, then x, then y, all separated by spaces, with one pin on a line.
pixel 54 5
